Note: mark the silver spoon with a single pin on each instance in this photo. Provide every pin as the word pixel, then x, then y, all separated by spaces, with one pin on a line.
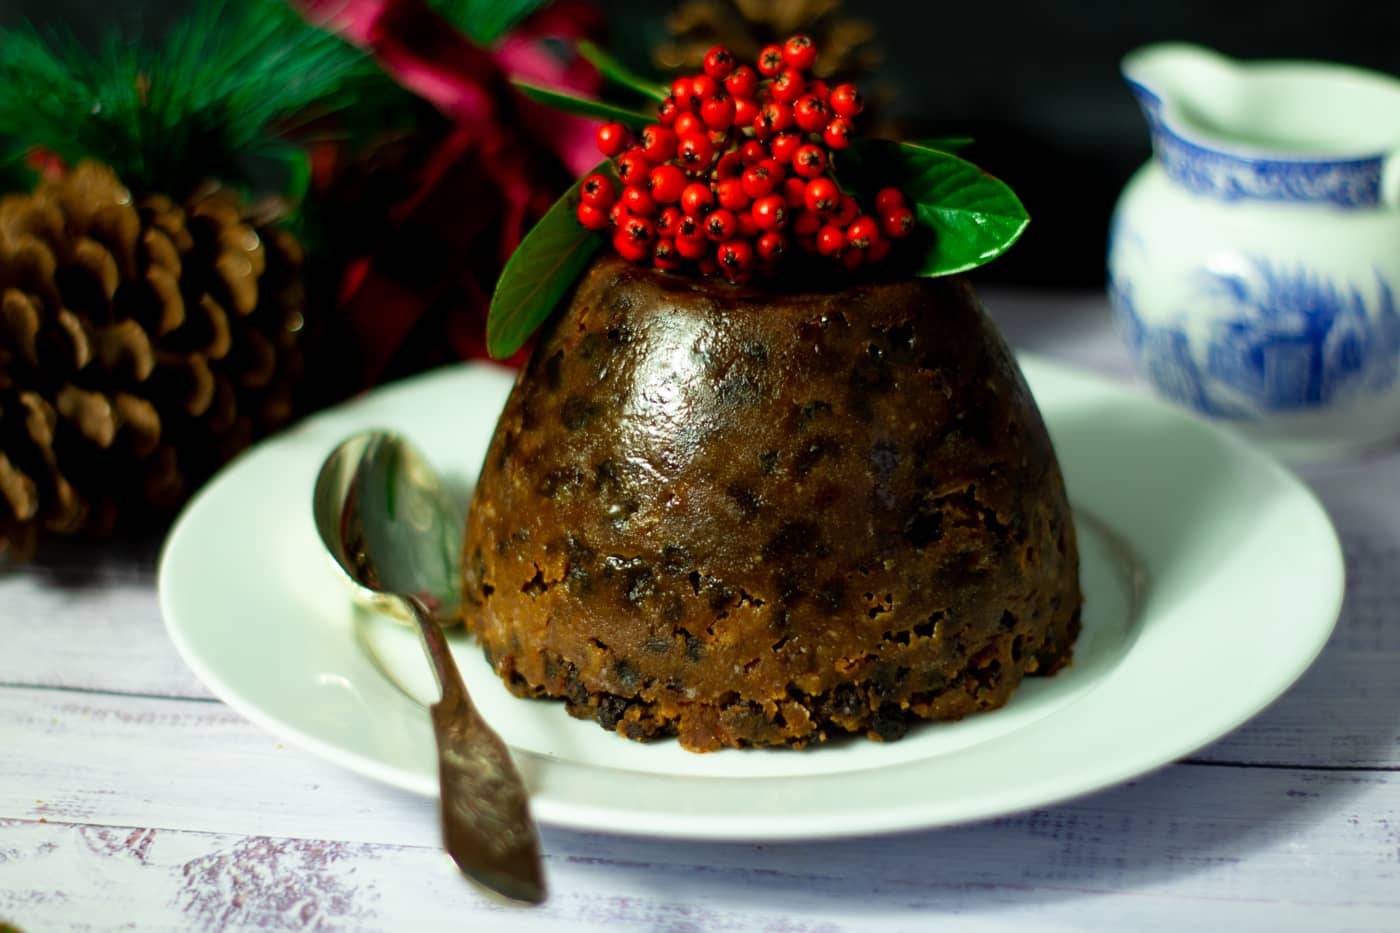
pixel 395 530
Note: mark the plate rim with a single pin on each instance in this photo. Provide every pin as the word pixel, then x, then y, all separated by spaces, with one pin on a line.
pixel 778 827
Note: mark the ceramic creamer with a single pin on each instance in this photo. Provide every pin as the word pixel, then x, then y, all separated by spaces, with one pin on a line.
pixel 1254 262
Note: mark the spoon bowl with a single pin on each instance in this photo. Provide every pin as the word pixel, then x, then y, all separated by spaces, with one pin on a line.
pixel 394 528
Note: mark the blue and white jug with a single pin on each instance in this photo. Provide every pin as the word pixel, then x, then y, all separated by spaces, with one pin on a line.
pixel 1254 262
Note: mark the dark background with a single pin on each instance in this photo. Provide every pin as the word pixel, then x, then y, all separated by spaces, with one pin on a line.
pixel 1035 83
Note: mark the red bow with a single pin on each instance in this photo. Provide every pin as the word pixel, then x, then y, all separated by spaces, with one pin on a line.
pixel 485 174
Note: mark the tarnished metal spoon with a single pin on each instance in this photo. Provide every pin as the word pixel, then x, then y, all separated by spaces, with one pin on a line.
pixel 395 530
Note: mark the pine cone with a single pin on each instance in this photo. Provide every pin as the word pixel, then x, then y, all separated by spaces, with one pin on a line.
pixel 746 26
pixel 142 344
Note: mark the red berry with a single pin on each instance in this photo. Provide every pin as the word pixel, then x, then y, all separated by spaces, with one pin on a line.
pixel 632 166
pixel 748 228
pixel 718 112
pixel 770 213
pixel 863 232
pixel 680 90
pixel 805 223
pixel 837 134
pixel 664 255
pixel 720 225
pixel 800 52
pixel 753 152
pixel 634 238
pixel 697 199
pixel 811 113
pixel 702 88
pixel 742 83
pixel 693 246
pixel 831 240
pixel 820 89
pixel 745 109
pixel 847 211
pixel 795 192
pixel 784 145
pixel 809 161
pixel 695 152
pixel 688 226
pixel 688 124
pixel 612 139
pixel 888 199
pixel 628 249
pixel 597 191
pixel 667 183
pixel 879 249
pixel 592 217
pixel 736 260
pixel 774 116
pixel 658 143
pixel 667 111
pixel 760 180
pixel 707 264
pixel 771 246
pixel 668 222
pixel 821 196
pixel 639 201
pixel 719 63
pixel 618 214
pixel 853 259
pixel 730 165
pixel 846 100
pixel 897 222
pixel 770 60
pixel 730 194
pixel 787 86
pixel 638 230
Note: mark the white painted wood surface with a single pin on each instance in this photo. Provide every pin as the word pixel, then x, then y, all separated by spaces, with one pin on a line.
pixel 131 799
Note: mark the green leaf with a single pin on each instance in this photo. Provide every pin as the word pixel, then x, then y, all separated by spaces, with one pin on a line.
pixel 944 143
pixel 584 106
pixel 966 217
pixel 540 272
pixel 618 73
pixel 486 21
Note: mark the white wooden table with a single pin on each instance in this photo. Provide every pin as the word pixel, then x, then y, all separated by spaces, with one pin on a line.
pixel 131 799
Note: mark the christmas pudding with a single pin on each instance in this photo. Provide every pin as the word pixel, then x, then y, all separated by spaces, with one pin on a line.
pixel 744 509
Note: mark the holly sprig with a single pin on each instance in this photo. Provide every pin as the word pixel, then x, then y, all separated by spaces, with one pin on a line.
pixel 965 216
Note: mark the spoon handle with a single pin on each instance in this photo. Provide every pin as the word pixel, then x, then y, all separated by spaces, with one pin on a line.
pixel 486 824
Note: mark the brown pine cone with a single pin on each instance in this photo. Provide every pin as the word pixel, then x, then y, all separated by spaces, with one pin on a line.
pixel 142 344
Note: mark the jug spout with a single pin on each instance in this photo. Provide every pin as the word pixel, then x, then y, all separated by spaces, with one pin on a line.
pixel 1176 75
pixel 1295 131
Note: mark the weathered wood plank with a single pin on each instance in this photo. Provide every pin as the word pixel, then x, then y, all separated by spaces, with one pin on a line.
pixel 59 628
pixel 1199 847
pixel 198 767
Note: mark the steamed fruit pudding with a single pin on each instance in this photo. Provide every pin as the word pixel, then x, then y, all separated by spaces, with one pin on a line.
pixel 768 514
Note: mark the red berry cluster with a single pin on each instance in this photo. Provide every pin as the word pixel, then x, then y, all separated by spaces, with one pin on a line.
pixel 736 172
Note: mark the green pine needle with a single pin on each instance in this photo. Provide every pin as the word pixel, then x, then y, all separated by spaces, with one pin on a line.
pixel 204 104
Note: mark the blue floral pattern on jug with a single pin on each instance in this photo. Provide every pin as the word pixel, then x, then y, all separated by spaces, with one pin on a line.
pixel 1348 183
pixel 1277 341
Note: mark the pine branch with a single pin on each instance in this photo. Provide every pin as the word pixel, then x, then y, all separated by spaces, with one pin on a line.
pixel 202 104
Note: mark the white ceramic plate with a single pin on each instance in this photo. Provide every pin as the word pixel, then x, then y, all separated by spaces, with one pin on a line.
pixel 1212 579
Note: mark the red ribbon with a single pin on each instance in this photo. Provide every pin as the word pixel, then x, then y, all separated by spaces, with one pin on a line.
pixel 497 134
